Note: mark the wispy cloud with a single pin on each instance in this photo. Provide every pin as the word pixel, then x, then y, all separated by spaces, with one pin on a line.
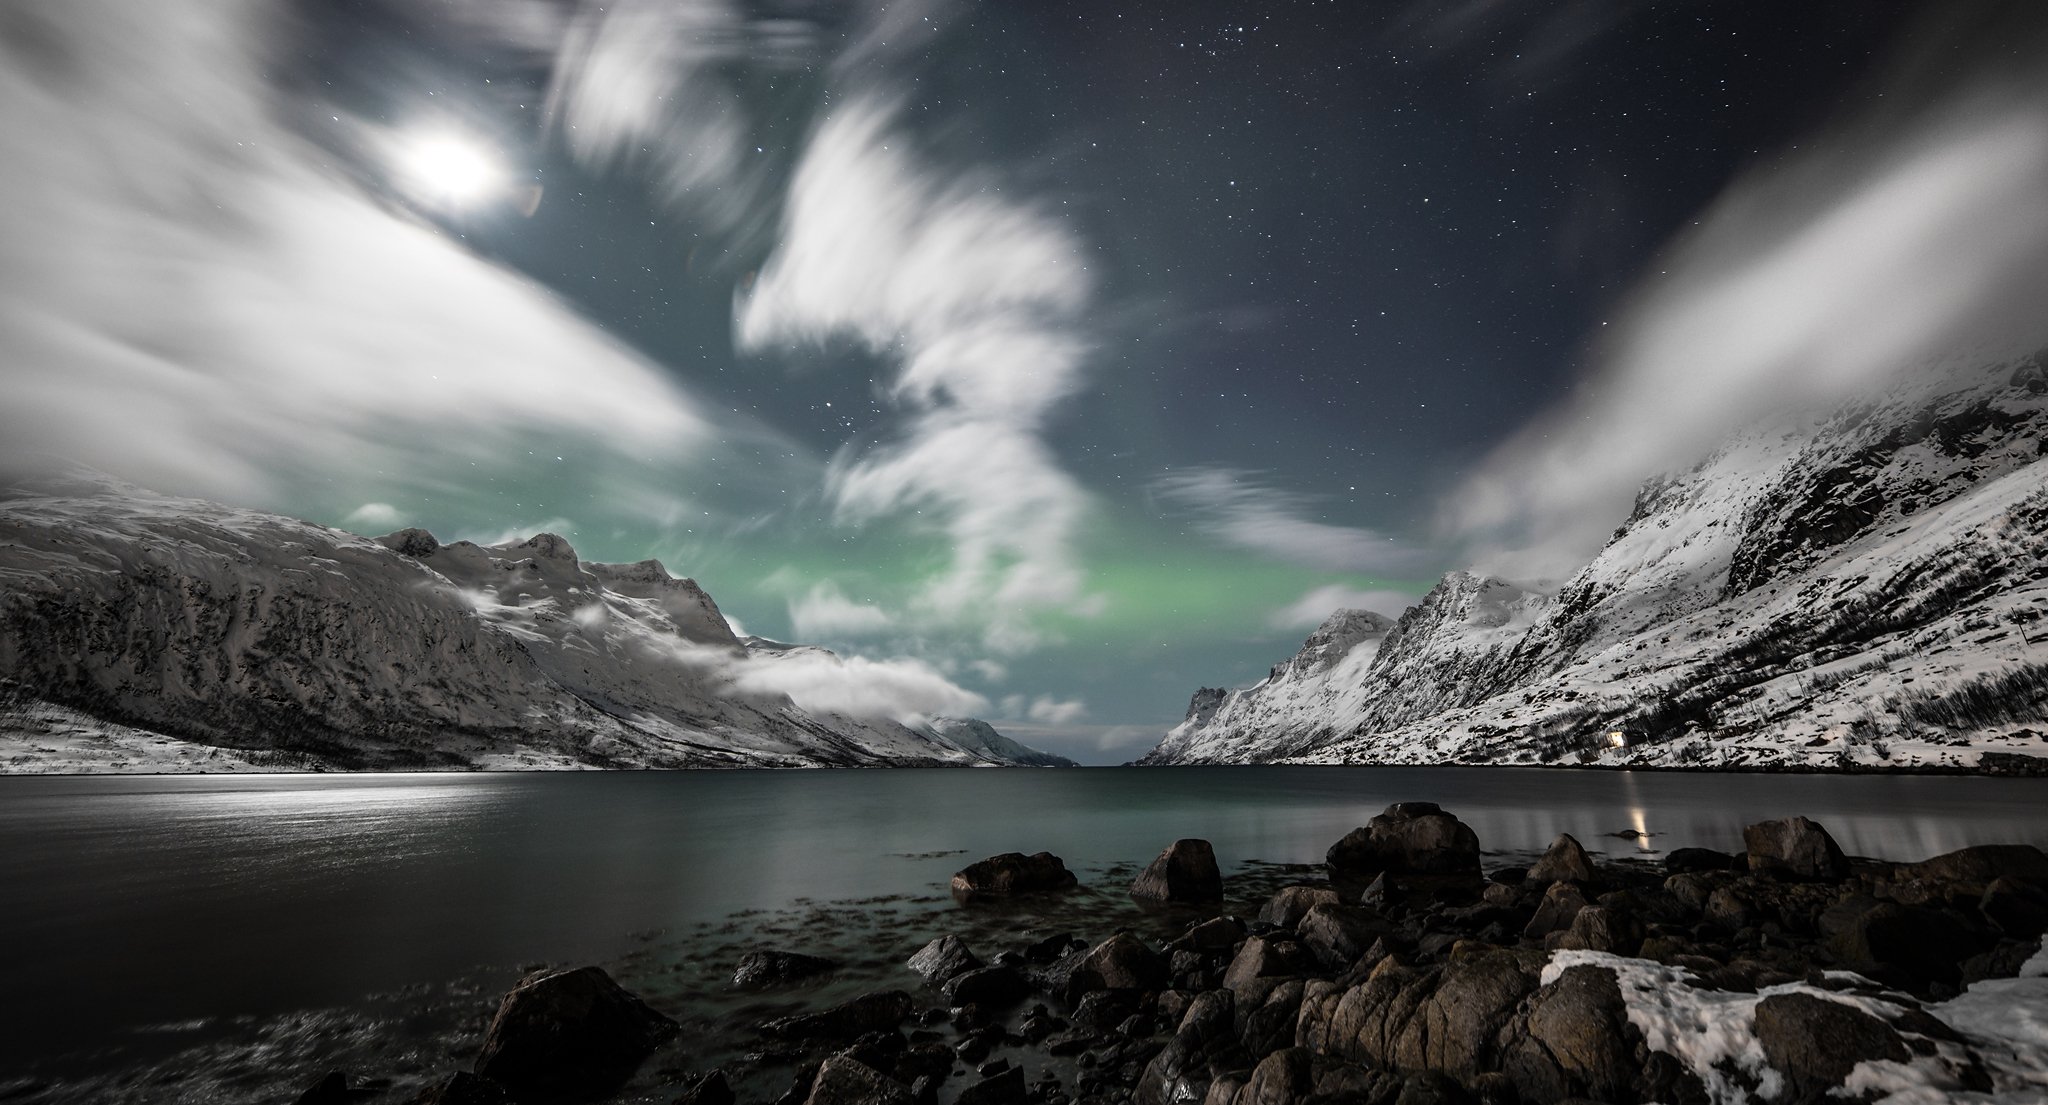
pixel 825 613
pixel 1311 609
pixel 1043 709
pixel 1239 508
pixel 1873 253
pixel 978 298
pixel 901 688
pixel 374 518
pixel 173 257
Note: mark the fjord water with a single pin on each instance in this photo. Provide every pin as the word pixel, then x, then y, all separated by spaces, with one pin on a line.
pixel 134 905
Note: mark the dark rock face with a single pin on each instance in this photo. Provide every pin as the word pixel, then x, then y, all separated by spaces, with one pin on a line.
pixel 1282 1078
pixel 1560 907
pixel 1926 944
pixel 986 986
pixel 463 1088
pixel 1796 847
pixel 1578 1041
pixel 842 1080
pixel 1815 1042
pixel 1184 872
pixel 2018 908
pixel 1270 956
pixel 1003 1088
pixel 569 1035
pixel 943 958
pixel 1122 962
pixel 1410 838
pixel 332 1089
pixel 710 1089
pixel 1287 905
pixel 759 969
pixel 1180 1072
pixel 1684 860
pixel 1565 861
pixel 1984 863
pixel 1012 873
pixel 874 1012
pixel 1337 935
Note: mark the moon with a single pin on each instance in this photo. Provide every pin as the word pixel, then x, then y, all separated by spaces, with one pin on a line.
pixel 450 170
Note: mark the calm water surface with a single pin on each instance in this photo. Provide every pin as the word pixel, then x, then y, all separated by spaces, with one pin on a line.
pixel 137 905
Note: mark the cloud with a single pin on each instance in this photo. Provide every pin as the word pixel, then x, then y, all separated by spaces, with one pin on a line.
pixel 1044 709
pixel 1311 609
pixel 192 299
pixel 1872 254
pixel 381 517
pixel 1237 509
pixel 825 613
pixel 977 297
pixel 900 688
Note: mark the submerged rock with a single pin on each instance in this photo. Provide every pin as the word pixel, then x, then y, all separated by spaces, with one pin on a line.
pixel 872 1012
pixel 943 958
pixel 569 1036
pixel 758 969
pixel 1184 873
pixel 1012 873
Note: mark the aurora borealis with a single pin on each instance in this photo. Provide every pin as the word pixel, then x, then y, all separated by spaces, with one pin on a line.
pixel 1085 353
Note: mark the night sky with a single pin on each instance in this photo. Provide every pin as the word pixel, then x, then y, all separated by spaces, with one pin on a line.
pixel 1088 353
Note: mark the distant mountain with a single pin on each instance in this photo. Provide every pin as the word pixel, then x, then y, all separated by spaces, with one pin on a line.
pixel 980 738
pixel 1866 592
pixel 250 639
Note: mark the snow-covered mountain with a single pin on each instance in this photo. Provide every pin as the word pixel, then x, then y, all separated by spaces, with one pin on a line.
pixel 981 738
pixel 149 631
pixel 1863 592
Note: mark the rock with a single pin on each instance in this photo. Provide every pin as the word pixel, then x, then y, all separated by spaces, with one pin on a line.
pixel 1683 860
pixel 1984 863
pixel 1815 1042
pixel 1564 861
pixel 1287 905
pixel 1217 934
pixel 1010 874
pixel 772 968
pixel 990 987
pixel 1794 846
pixel 1378 892
pixel 2019 909
pixel 846 1081
pixel 1414 838
pixel 1051 948
pixel 1184 873
pixel 332 1089
pixel 1122 962
pixel 569 1035
pixel 1561 904
pixel 1179 1074
pixel 1283 1078
pixel 709 1089
pixel 874 1012
pixel 1601 929
pixel 1927 944
pixel 1336 935
pixel 1577 1042
pixel 1103 1010
pixel 1269 1023
pixel 942 959
pixel 464 1088
pixel 1006 1088
pixel 1270 956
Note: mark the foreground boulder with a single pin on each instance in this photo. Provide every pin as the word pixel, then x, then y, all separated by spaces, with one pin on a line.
pixel 1410 838
pixel 1184 873
pixel 1815 1042
pixel 569 1036
pixel 1796 847
pixel 1565 861
pixel 843 1080
pixel 1012 873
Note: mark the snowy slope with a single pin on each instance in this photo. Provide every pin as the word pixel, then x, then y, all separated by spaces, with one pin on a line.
pixel 241 630
pixel 979 738
pixel 1865 592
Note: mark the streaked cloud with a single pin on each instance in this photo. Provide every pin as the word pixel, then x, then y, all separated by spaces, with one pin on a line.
pixel 901 688
pixel 825 613
pixel 1238 508
pixel 1312 608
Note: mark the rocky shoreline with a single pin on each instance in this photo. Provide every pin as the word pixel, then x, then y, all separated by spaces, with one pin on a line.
pixel 1405 974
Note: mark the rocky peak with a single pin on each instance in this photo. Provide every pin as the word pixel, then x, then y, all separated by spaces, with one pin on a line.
pixel 413 542
pixel 1204 704
pixel 545 546
pixel 1334 639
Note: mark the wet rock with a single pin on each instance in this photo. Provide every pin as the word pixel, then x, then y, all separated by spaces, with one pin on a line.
pixel 1815 1042
pixel 1284 1077
pixel 1796 847
pixel 1336 935
pixel 1180 1072
pixel 992 987
pixel 1006 1088
pixel 942 959
pixel 1603 929
pixel 2019 909
pixel 1052 948
pixel 332 1089
pixel 1555 913
pixel 1010 874
pixel 1103 1010
pixel 1409 838
pixel 874 1012
pixel 1577 1041
pixel 1287 905
pixel 1683 860
pixel 1217 934
pixel 1267 1021
pixel 708 1089
pixel 1564 861
pixel 1122 962
pixel 842 1080
pixel 767 967
pixel 569 1035
pixel 1185 873
pixel 1271 956
pixel 464 1088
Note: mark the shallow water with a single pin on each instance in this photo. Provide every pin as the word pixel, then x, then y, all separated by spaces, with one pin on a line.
pixel 257 916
